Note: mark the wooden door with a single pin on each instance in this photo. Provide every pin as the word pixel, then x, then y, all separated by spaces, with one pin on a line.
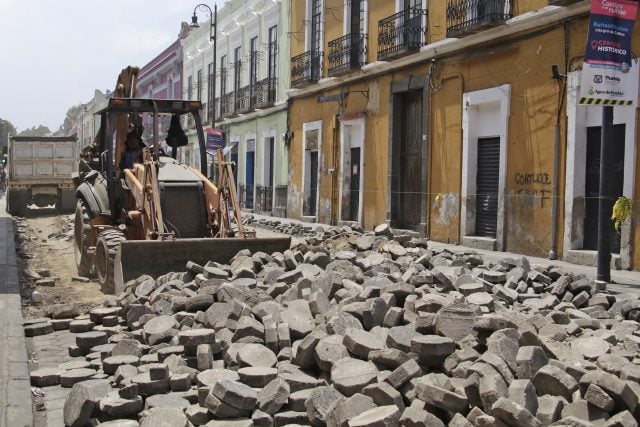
pixel 410 156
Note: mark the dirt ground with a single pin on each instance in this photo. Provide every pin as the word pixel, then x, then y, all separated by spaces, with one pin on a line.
pixel 45 241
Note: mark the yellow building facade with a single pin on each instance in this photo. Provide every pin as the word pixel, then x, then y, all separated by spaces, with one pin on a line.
pixel 443 118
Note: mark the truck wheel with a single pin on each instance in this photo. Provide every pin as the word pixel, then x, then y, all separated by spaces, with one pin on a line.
pixel 17 202
pixel 82 239
pixel 106 249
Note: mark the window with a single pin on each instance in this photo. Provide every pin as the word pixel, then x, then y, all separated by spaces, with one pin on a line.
pixel 316 25
pixel 253 61
pixel 237 68
pixel 199 85
pixel 273 52
pixel 190 87
pixel 223 75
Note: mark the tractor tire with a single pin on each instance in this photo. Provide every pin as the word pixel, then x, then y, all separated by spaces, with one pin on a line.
pixel 106 248
pixel 82 240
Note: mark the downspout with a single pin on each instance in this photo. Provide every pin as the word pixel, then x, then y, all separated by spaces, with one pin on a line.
pixel 553 251
pixel 437 89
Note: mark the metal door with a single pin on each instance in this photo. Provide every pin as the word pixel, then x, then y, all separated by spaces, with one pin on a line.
pixel 487 187
pixel 313 190
pixel 354 186
pixel 408 213
pixel 592 185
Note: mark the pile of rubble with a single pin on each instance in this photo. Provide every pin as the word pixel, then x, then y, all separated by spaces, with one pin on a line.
pixel 293 228
pixel 367 331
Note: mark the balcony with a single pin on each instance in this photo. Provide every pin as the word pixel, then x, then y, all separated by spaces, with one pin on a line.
pixel 265 92
pixel 227 106
pixel 244 103
pixel 347 53
pixel 305 68
pixel 470 16
pixel 402 33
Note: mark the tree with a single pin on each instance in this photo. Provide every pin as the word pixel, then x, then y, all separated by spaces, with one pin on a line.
pixel 6 128
pixel 71 119
pixel 41 130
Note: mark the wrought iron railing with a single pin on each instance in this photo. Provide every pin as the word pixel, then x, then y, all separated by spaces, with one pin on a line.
pixel 246 196
pixel 264 199
pixel 305 68
pixel 243 100
pixel 402 33
pixel 227 105
pixel 265 92
pixel 347 53
pixel 469 16
pixel 281 195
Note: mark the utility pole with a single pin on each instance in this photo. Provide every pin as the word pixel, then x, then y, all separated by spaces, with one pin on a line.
pixel 605 201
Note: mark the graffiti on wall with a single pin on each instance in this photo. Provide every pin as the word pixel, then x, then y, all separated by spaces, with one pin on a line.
pixel 535 189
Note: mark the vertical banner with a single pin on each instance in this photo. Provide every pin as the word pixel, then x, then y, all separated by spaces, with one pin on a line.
pixel 609 74
pixel 215 140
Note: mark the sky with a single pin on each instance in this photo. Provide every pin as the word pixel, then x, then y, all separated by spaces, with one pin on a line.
pixel 55 53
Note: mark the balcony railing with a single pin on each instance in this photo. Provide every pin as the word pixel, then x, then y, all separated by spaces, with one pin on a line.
pixel 264 199
pixel 470 16
pixel 349 52
pixel 243 100
pixel 227 106
pixel 305 68
pixel 402 33
pixel 265 92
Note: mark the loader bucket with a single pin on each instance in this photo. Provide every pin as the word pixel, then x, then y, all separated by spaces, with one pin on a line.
pixel 155 258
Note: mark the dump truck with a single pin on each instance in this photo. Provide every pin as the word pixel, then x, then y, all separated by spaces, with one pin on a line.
pixel 153 216
pixel 40 173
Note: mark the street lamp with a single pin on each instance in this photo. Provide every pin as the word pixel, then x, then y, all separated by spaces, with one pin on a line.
pixel 213 15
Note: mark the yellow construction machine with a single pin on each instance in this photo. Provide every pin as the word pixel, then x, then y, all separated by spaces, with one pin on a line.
pixel 153 215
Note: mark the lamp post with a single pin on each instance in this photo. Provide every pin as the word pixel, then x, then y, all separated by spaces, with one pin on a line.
pixel 213 15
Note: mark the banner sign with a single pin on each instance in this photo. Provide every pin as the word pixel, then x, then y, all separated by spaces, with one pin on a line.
pixel 215 140
pixel 609 74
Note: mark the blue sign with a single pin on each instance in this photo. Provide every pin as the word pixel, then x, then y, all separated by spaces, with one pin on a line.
pixel 215 140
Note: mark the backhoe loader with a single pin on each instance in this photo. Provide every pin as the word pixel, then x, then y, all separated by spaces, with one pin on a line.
pixel 156 214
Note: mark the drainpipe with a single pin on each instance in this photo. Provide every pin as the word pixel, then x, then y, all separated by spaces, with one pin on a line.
pixel 554 197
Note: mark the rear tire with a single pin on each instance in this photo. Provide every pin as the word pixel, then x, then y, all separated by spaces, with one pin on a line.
pixel 106 248
pixel 82 239
pixel 17 202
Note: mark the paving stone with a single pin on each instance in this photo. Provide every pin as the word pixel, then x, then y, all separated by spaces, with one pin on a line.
pixel 318 403
pixel 235 394
pixel 45 377
pixel 360 343
pixel 350 375
pixel 165 417
pixel 432 350
pixel 380 416
pixel 273 396
pixel 256 355
pixel 116 406
pixel 82 400
pixel 552 380
pixel 73 376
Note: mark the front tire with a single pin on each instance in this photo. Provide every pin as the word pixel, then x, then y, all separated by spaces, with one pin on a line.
pixel 106 248
pixel 82 239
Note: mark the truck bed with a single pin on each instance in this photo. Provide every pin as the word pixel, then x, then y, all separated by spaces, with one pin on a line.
pixel 42 159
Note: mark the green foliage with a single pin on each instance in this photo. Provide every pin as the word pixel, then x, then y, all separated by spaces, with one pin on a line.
pixel 41 130
pixel 6 128
pixel 622 210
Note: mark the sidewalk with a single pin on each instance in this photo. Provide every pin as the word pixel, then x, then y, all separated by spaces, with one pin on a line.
pixel 623 281
pixel 15 394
